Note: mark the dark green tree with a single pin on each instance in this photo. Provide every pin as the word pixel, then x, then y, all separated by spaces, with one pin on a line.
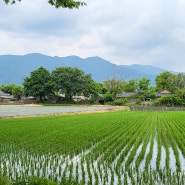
pixel 57 3
pixel 39 84
pixel 73 81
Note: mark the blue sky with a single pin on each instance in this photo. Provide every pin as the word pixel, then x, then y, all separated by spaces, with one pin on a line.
pixel 124 32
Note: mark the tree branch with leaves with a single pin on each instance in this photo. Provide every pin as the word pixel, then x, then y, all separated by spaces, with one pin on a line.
pixel 57 3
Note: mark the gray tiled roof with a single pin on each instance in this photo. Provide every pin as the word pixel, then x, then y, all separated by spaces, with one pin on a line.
pixel 3 95
pixel 126 94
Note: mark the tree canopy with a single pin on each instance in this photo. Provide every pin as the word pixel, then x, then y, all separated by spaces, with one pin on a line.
pixel 131 86
pixel 73 81
pixel 170 81
pixel 165 80
pixel 114 86
pixel 143 84
pixel 39 84
pixel 145 91
pixel 57 3
pixel 174 83
pixel 13 89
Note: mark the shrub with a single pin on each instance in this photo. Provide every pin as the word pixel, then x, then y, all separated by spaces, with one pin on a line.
pixel 170 100
pixel 108 97
pixel 120 102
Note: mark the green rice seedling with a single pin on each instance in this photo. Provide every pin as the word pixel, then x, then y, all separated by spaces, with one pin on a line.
pixel 106 148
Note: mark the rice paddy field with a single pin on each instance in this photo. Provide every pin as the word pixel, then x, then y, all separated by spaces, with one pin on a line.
pixel 110 148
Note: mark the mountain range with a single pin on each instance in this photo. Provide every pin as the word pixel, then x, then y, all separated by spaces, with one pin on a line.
pixel 14 68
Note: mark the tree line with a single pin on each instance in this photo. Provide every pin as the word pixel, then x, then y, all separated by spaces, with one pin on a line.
pixel 70 82
pixel 43 84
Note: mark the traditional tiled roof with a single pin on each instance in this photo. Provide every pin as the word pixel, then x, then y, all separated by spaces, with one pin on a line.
pixel 125 94
pixel 4 95
pixel 163 93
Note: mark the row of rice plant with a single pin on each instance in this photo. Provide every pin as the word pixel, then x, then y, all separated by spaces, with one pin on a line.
pixel 126 147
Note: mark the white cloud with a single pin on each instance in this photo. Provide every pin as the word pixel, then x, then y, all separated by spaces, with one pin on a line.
pixel 177 34
pixel 123 32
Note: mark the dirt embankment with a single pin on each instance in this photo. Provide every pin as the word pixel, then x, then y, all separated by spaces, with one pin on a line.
pixel 39 110
pixel 22 105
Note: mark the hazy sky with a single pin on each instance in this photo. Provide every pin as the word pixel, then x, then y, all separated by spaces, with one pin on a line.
pixel 124 32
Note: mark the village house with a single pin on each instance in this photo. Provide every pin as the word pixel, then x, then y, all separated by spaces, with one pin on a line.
pixel 4 97
pixel 126 94
pixel 130 95
pixel 162 93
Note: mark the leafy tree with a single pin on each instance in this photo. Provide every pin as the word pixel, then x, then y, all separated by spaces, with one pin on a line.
pixel 73 81
pixel 57 3
pixel 114 86
pixel 17 92
pixel 7 88
pixel 166 80
pixel 174 83
pixel 89 86
pixel 39 84
pixel 131 86
pixel 102 89
pixel 180 81
pixel 13 89
pixel 144 90
pixel 181 93
pixel 149 93
pixel 144 84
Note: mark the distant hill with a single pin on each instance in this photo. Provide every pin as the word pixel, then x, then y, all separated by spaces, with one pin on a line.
pixel 14 68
